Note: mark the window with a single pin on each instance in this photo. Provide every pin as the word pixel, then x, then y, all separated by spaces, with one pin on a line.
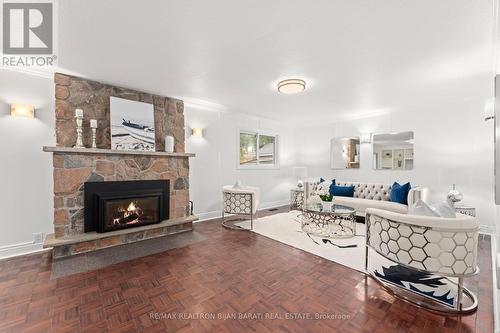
pixel 258 149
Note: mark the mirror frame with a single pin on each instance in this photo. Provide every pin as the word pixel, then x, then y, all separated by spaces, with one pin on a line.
pixel 374 163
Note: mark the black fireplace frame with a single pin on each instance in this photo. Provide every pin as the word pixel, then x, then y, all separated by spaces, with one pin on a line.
pixel 95 192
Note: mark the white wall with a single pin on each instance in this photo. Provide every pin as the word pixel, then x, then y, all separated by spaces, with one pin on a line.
pixel 217 155
pixel 26 197
pixel 453 145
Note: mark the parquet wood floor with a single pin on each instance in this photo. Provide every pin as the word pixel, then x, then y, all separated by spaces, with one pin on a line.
pixel 230 273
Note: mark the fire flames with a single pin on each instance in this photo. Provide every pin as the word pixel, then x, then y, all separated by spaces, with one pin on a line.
pixel 131 214
pixel 131 207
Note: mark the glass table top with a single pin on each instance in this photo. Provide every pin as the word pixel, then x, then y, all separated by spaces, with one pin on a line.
pixel 336 209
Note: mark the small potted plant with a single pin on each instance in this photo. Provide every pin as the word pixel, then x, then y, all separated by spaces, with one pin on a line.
pixel 323 191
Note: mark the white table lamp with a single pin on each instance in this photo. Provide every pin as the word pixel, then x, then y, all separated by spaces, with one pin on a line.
pixel 300 172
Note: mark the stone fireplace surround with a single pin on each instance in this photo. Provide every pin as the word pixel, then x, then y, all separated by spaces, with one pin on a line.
pixel 73 167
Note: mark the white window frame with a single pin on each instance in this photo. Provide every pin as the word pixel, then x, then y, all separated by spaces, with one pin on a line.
pixel 276 164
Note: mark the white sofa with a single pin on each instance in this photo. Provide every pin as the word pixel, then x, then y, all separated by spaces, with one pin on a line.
pixel 370 195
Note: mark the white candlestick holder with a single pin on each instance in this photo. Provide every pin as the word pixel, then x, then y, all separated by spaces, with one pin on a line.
pixel 79 131
pixel 93 138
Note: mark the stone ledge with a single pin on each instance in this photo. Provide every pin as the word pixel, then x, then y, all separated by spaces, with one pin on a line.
pixel 52 241
pixel 90 151
pixel 93 241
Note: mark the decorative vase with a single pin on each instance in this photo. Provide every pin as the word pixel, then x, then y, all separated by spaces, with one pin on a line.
pixel 327 206
pixel 454 196
pixel 169 144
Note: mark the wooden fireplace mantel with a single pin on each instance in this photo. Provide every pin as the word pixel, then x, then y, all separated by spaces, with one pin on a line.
pixel 92 151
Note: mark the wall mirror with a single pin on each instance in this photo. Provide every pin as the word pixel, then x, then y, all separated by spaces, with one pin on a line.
pixel 393 151
pixel 344 153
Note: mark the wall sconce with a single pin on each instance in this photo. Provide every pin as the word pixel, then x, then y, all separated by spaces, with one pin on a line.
pixel 22 110
pixel 197 132
pixel 366 138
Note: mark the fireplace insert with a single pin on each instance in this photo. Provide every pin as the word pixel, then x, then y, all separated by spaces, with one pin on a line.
pixel 125 204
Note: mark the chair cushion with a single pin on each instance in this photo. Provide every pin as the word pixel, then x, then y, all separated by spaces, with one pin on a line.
pixel 360 205
pixel 399 193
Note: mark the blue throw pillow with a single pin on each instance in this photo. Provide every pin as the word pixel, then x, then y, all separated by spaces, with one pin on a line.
pixel 399 193
pixel 342 191
pixel 331 186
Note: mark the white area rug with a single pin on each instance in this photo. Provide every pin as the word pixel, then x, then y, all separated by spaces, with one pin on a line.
pixel 285 228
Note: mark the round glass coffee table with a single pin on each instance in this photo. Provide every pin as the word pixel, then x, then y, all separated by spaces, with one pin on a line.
pixel 339 222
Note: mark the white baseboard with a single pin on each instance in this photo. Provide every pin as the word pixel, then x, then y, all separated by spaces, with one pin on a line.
pixel 218 214
pixel 20 249
pixel 208 216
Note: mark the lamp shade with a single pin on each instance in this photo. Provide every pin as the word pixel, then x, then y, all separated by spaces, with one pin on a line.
pixel 300 171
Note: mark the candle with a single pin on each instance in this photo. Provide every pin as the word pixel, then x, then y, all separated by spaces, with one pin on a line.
pixel 169 144
pixel 78 113
pixel 93 123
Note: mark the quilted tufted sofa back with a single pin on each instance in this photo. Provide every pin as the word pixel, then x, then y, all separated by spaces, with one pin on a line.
pixel 370 191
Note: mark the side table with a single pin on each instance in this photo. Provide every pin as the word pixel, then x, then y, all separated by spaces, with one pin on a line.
pixel 296 198
pixel 466 210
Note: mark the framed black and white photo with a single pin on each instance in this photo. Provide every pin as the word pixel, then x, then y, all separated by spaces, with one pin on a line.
pixel 132 125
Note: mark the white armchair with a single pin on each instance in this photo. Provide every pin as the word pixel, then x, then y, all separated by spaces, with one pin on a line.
pixel 242 200
pixel 443 246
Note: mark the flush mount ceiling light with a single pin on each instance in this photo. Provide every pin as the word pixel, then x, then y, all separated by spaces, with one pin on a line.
pixel 291 86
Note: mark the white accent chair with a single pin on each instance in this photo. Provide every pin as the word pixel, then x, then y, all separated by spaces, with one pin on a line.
pixel 243 200
pixel 436 245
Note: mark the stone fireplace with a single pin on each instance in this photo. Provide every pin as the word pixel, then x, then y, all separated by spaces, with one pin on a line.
pixel 136 195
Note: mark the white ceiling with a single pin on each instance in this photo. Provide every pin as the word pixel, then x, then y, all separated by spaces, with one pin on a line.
pixel 357 56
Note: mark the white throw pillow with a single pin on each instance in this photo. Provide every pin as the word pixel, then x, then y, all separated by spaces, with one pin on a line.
pixel 441 209
pixel 422 209
pixel 444 209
